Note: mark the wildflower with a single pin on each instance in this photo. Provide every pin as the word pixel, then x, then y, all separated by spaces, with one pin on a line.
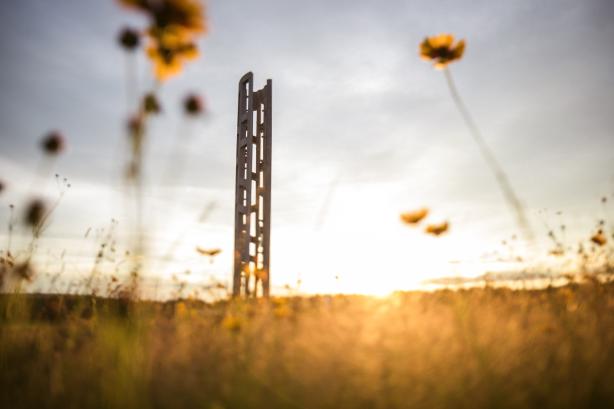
pixel 599 238
pixel 181 310
pixel 151 105
pixel 35 213
pixel 193 105
pixel 187 15
pixel 53 143
pixel 174 25
pixel 168 62
pixel 129 39
pixel 208 252
pixel 437 229
pixel 441 50
pixel 232 323
pixel 414 217
pixel 281 309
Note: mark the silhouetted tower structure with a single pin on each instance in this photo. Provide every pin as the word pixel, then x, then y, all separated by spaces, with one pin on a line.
pixel 253 190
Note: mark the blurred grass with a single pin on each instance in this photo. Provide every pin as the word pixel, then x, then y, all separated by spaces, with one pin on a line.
pixel 476 348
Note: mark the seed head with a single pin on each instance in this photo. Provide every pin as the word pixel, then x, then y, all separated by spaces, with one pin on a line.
pixel 53 143
pixel 35 211
pixel 193 105
pixel 151 105
pixel 129 38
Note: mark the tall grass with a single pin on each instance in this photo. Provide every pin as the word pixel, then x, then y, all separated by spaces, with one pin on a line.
pixel 479 348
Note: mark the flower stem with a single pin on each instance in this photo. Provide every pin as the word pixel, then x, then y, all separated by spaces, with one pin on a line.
pixel 502 179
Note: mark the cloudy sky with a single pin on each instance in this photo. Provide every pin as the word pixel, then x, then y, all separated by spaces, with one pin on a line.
pixel 363 130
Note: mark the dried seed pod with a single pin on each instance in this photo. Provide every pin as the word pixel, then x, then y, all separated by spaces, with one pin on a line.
pixel 151 105
pixel 193 105
pixel 35 212
pixel 53 143
pixel 129 39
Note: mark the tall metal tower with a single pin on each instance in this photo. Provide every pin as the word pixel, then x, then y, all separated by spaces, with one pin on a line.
pixel 253 190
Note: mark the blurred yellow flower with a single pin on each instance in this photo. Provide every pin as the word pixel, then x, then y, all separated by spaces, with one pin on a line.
pixel 232 323
pixel 181 309
pixel 168 62
pixel 208 252
pixel 174 26
pixel 437 229
pixel 414 217
pixel 188 14
pixel 441 50
pixel 211 253
pixel 599 238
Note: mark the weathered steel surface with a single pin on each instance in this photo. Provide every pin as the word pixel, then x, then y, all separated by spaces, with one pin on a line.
pixel 253 190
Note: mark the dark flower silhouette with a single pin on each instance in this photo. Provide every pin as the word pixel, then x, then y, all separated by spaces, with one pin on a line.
pixel 151 105
pixel 129 39
pixel 193 105
pixel 35 213
pixel 53 143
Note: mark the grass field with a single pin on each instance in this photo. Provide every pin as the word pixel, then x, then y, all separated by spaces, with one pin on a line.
pixel 478 348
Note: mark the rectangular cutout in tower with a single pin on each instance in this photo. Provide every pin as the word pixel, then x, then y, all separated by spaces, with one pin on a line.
pixel 253 190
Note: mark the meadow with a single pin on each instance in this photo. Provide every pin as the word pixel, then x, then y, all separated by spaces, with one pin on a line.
pixel 474 348
pixel 93 339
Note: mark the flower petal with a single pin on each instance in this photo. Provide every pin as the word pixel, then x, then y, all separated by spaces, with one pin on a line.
pixel 441 40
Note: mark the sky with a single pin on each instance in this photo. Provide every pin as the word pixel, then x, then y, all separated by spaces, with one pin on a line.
pixel 363 130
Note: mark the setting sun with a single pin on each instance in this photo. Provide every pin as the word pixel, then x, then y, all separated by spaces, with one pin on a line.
pixel 323 204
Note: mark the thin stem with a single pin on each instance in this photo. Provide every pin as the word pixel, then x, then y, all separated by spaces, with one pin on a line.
pixel 491 160
pixel 328 198
pixel 131 81
pixel 11 224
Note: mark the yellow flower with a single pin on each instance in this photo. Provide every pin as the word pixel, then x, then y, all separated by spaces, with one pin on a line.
pixel 599 238
pixel 208 252
pixel 174 26
pixel 437 229
pixel 181 310
pixel 186 15
pixel 415 216
pixel 232 323
pixel 168 62
pixel 441 50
